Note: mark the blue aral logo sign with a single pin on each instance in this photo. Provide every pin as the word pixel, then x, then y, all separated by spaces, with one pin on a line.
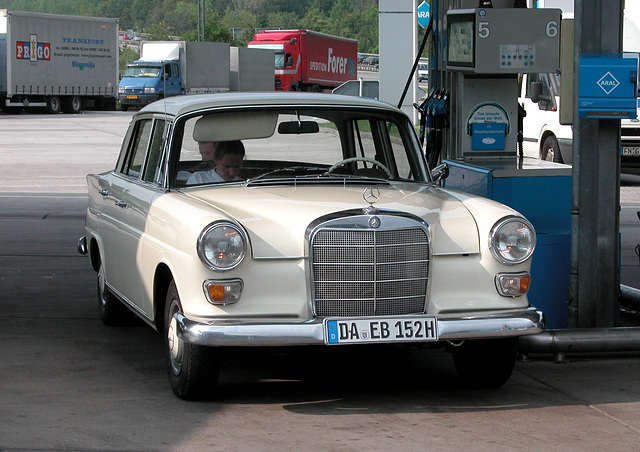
pixel 423 14
pixel 608 83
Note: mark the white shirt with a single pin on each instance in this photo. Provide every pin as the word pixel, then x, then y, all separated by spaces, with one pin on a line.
pixel 203 177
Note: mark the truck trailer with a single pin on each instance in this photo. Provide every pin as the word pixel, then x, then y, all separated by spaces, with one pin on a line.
pixel 170 68
pixel 307 60
pixel 57 62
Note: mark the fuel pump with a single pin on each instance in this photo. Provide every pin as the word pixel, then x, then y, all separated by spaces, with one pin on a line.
pixel 482 48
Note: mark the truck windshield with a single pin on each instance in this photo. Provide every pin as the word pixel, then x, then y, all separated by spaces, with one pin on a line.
pixel 279 60
pixel 143 71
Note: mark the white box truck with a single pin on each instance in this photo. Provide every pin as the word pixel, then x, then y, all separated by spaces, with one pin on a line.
pixel 57 62
pixel 170 68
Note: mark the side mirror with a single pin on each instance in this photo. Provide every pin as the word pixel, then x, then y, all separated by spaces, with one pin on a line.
pixel 535 91
pixel 440 172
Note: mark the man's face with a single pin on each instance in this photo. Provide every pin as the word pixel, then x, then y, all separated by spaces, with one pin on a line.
pixel 207 150
pixel 229 166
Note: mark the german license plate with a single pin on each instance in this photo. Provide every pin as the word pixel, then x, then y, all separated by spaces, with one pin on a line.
pixel 632 151
pixel 380 329
pixel 132 97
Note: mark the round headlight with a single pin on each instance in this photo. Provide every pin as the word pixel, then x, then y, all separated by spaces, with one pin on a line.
pixel 512 240
pixel 222 246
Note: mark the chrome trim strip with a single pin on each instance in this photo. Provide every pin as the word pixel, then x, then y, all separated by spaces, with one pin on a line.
pixel 82 245
pixel 250 333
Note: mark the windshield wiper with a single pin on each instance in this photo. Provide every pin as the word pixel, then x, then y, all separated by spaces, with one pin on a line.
pixel 286 172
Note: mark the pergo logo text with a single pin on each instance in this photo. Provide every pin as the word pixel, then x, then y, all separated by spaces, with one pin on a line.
pixel 33 50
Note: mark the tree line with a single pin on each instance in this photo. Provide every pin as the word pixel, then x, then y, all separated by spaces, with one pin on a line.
pixel 233 21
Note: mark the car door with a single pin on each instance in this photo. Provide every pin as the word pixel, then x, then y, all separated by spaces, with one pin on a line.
pixel 143 169
pixel 172 82
pixel 105 192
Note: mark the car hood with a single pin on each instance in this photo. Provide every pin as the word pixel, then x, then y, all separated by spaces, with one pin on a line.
pixel 142 82
pixel 276 218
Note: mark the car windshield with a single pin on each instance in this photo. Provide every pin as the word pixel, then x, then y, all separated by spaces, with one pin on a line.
pixel 142 71
pixel 297 145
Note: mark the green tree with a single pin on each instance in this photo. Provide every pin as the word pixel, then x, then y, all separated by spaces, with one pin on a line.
pixel 127 55
pixel 316 20
pixel 159 32
pixel 214 31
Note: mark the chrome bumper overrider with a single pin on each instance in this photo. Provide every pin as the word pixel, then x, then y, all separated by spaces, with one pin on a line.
pixel 241 333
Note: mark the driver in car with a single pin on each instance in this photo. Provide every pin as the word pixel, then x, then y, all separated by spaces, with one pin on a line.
pixel 228 158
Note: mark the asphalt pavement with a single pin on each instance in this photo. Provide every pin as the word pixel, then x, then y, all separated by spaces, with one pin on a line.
pixel 68 382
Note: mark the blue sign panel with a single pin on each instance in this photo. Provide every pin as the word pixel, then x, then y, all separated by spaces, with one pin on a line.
pixel 487 135
pixel 423 14
pixel 608 86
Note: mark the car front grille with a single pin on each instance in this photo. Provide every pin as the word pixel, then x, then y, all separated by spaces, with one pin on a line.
pixel 369 272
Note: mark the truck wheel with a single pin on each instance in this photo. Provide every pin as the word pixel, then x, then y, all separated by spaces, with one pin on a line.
pixel 72 104
pixel 486 363
pixel 53 104
pixel 193 369
pixel 315 89
pixel 112 311
pixel 551 150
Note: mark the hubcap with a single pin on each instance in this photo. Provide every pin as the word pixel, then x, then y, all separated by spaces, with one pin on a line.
pixel 550 155
pixel 102 288
pixel 175 345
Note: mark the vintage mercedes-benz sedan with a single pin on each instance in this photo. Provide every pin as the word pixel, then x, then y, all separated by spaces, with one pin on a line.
pixel 288 219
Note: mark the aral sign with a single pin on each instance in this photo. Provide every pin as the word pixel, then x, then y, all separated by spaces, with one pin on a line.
pixel 423 14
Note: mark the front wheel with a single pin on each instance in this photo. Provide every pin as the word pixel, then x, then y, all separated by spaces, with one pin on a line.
pixel 551 150
pixel 485 364
pixel 193 369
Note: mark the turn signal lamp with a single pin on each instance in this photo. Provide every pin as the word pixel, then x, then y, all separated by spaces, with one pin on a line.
pixel 223 292
pixel 513 284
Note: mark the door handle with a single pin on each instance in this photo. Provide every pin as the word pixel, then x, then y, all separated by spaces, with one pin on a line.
pixel 103 192
pixel 122 204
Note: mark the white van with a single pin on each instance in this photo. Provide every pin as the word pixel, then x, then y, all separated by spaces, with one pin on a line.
pixel 543 135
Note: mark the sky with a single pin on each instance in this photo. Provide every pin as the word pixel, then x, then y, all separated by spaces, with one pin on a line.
pixel 632 9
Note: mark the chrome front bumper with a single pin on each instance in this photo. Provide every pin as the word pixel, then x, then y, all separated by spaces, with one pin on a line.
pixel 225 333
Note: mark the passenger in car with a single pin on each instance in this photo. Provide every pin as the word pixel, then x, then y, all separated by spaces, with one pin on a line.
pixel 207 150
pixel 227 157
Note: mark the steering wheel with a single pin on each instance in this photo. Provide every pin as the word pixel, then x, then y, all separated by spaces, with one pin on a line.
pixel 361 159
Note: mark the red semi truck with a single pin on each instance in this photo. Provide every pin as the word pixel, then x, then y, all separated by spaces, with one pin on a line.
pixel 307 60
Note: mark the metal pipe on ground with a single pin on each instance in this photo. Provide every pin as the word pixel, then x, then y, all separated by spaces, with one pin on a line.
pixel 589 340
pixel 630 297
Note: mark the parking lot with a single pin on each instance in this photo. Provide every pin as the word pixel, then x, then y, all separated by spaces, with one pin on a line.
pixel 67 382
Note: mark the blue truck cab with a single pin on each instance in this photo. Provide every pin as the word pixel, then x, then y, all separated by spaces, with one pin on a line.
pixel 147 81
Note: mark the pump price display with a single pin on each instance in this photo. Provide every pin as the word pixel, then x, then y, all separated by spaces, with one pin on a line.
pixel 380 329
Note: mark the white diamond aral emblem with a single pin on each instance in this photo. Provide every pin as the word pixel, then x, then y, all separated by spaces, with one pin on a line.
pixel 608 83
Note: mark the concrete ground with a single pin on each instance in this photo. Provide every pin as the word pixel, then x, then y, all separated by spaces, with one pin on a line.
pixel 68 382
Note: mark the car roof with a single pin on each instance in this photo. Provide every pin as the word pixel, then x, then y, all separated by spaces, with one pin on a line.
pixel 179 105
